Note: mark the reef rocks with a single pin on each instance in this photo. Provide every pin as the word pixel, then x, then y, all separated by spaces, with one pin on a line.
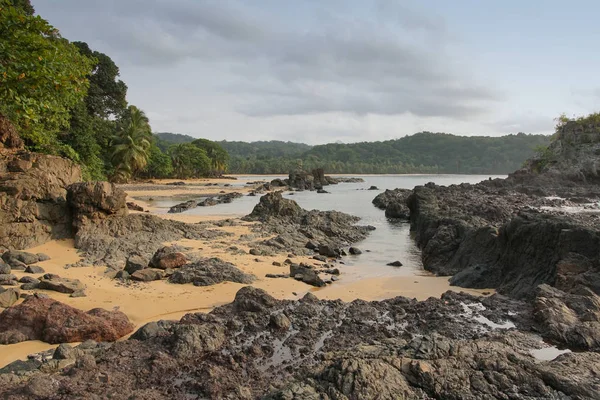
pixel 319 349
pixel 54 322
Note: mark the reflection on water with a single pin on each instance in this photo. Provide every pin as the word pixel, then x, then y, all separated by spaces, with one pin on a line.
pixel 390 241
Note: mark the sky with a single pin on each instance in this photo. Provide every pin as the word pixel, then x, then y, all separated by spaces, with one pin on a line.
pixel 320 71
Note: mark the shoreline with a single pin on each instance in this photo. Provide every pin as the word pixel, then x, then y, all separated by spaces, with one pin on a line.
pixel 173 301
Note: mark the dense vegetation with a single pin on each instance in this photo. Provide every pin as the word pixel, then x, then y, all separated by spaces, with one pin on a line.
pixel 424 152
pixel 66 98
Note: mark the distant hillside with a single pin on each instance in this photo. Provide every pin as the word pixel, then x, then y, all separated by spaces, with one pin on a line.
pixel 424 152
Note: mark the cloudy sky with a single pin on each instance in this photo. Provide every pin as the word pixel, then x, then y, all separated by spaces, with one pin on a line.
pixel 319 71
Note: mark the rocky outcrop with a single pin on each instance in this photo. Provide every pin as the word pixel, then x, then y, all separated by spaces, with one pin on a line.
pixel 94 201
pixel 293 227
pixel 318 349
pixel 33 194
pixel 210 271
pixel 54 322
pixel 394 203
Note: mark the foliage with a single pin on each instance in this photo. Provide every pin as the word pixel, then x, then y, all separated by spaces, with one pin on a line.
pixel 131 147
pixel 189 161
pixel 42 76
pixel 218 156
pixel 24 5
pixel 159 164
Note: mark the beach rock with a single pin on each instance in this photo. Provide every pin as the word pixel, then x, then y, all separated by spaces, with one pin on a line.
pixel 8 297
pixel 4 268
pixel 94 201
pixel 65 352
pixel 320 258
pixel 168 257
pixel 273 205
pixel 147 275
pixel 123 275
pixel 135 263
pixel 152 330
pixel 277 182
pixel 5 279
pixel 253 300
pixel 13 256
pixel 28 279
pixel 354 251
pixel 134 207
pixel 396 196
pixel 311 245
pixel 42 257
pixel 322 191
pixel 208 272
pixel 327 251
pixel 34 269
pixel 398 211
pixel 54 322
pixel 61 285
pixel 306 274
pixel 33 209
pixel 30 285
pixel 395 264
pixel 373 188
pixel 190 340
pixel 280 321
pixel 182 207
pixel 177 183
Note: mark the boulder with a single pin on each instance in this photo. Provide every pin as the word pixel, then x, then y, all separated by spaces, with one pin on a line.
pixel 34 269
pixel 54 322
pixel 8 297
pixel 185 206
pixel 280 322
pixel 147 275
pixel 8 279
pixel 4 268
pixel 354 251
pixel 42 257
pixel 328 251
pixel 26 258
pixel 94 201
pixel 395 264
pixel 168 257
pixel 61 285
pixel 210 272
pixel 278 183
pixel 254 300
pixel 274 205
pixel 135 263
pixel 306 274
pixel 373 188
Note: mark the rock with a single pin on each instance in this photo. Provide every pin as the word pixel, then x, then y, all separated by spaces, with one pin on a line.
pixel 255 252
pixel 34 269
pixel 9 137
pixel 30 286
pixel 123 275
pixel 62 285
pixel 65 352
pixel 278 183
pixel 280 321
pixel 276 264
pixel 177 183
pixel 152 330
pixel 8 297
pixel 311 246
pixel 322 191
pixel 168 257
pixel 320 258
pixel 54 322
pixel 29 279
pixel 396 196
pixel 373 188
pixel 7 279
pixel 306 274
pixel 274 205
pixel 182 207
pixel 327 251
pixel 78 293
pixel 135 263
pixel 18 265
pixel 42 257
pixel 397 210
pixel 4 268
pixel 41 387
pixel 22 256
pixel 354 251
pixel 190 340
pixel 147 275
pixel 251 299
pixel 208 272
pixel 33 190
pixel 134 207
pixel 395 264
pixel 94 201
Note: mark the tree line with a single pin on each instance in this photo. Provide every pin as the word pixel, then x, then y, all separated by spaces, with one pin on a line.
pixel 65 98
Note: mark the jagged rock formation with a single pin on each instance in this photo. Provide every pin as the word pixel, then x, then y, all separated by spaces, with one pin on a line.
pixel 33 194
pixel 93 201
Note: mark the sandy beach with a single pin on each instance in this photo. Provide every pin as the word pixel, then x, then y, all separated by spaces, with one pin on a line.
pixel 145 302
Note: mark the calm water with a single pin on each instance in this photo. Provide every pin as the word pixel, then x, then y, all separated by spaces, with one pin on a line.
pixel 390 241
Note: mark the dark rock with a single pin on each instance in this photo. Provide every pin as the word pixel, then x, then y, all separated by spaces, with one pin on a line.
pixel 30 286
pixel 152 330
pixel 320 258
pixel 65 352
pixel 29 279
pixel 306 274
pixel 373 188
pixel 7 279
pixel 327 251
pixel 276 264
pixel 177 183
pixel 34 269
pixel 210 272
pixel 278 183
pixel 252 299
pixel 123 275
pixel 62 285
pixel 134 207
pixel 182 207
pixel 9 137
pixel 94 201
pixel 354 251
pixel 280 321
pixel 396 196
pixel 135 263
pixel 395 264
pixel 255 252
pixel 147 275
pixel 311 246
pixel 274 205
pixel 21 256
pixel 322 191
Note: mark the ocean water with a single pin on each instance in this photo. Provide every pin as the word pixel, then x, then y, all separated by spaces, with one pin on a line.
pixel 391 241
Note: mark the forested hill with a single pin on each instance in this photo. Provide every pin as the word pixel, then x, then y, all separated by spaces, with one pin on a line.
pixel 423 152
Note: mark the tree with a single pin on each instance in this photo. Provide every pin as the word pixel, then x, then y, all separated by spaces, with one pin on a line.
pixel 42 76
pixel 217 155
pixel 131 147
pixel 189 161
pixel 159 163
pixel 24 5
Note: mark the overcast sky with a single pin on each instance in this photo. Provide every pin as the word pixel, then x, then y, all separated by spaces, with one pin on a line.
pixel 319 71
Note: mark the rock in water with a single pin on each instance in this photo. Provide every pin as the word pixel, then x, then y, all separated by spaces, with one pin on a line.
pixel 54 322
pixel 354 251
pixel 94 201
pixel 395 264
pixel 273 205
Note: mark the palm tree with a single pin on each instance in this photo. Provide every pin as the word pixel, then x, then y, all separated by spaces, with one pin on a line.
pixel 131 145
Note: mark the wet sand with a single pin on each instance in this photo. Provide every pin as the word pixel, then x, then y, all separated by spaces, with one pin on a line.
pixel 145 302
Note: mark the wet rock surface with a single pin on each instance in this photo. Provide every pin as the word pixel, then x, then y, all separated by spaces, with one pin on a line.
pixel 318 349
